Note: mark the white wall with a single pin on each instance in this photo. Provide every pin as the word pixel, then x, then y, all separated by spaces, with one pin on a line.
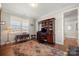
pixel 0 25
pixel 59 23
pixel 6 18
pixel 78 26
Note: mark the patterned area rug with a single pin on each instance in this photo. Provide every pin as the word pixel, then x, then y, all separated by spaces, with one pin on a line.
pixel 33 48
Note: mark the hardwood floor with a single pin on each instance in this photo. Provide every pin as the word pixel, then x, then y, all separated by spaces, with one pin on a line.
pixel 70 42
pixel 6 50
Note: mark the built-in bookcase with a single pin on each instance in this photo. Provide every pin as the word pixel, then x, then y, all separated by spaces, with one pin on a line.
pixel 49 24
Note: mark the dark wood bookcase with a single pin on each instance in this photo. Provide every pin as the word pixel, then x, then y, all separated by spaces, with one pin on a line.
pixel 49 24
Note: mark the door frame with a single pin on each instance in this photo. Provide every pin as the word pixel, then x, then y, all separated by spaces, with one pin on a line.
pixel 71 9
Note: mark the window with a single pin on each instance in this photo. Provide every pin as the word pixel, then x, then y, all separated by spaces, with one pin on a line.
pixel 19 24
pixel 16 25
pixel 25 26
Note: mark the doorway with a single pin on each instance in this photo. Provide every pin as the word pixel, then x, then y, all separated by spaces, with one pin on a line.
pixel 71 28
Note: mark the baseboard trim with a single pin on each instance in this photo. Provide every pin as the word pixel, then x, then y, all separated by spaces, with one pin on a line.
pixel 60 43
pixel 11 43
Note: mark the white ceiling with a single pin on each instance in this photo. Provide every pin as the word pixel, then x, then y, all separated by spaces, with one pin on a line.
pixel 26 10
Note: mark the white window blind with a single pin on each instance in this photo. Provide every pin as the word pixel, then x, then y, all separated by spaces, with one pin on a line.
pixel 18 23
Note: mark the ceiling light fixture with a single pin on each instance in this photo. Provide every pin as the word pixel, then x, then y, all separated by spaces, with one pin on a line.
pixel 34 4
